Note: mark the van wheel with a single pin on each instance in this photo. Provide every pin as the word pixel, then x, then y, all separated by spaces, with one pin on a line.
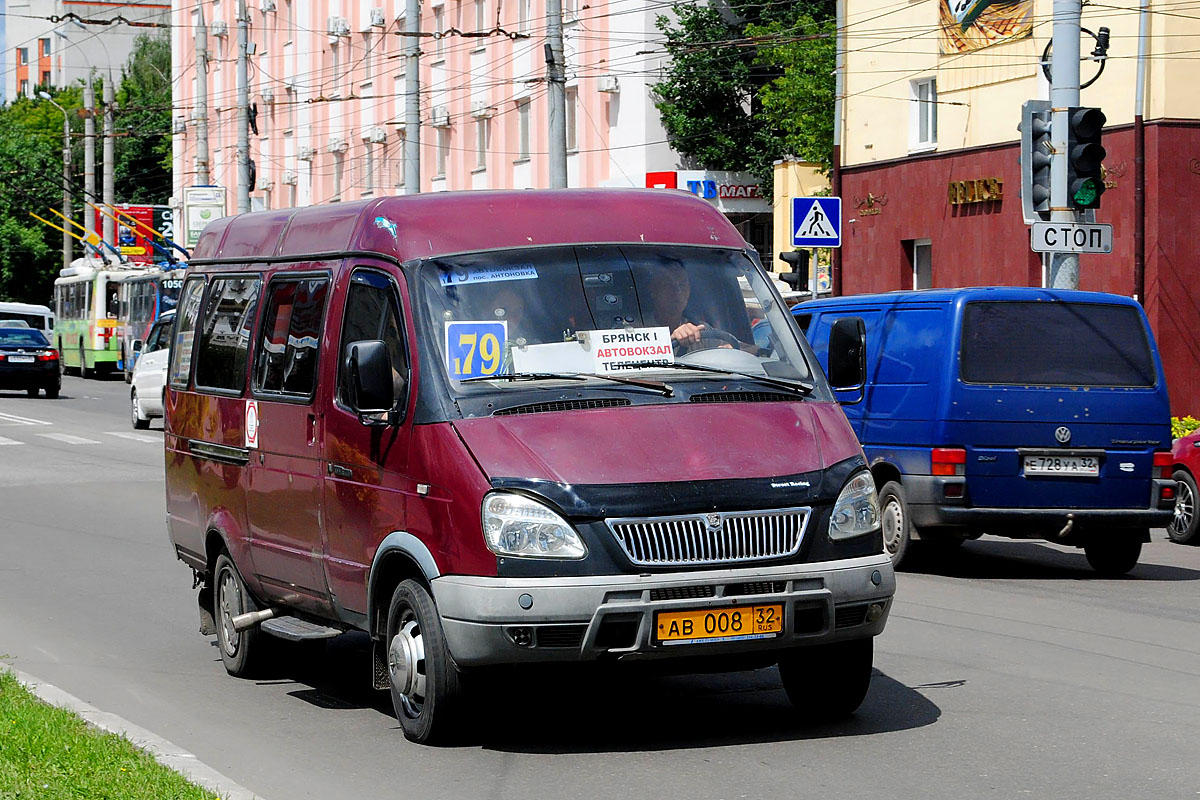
pixel 239 649
pixel 1183 527
pixel 893 516
pixel 829 681
pixel 1114 553
pixel 426 686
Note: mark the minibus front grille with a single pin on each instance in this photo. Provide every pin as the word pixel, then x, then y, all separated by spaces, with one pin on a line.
pixel 713 538
pixel 562 405
pixel 742 397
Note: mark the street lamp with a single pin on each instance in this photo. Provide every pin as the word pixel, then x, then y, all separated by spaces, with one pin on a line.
pixel 66 154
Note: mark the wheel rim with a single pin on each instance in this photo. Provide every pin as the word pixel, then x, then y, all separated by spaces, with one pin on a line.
pixel 136 408
pixel 406 666
pixel 893 525
pixel 229 604
pixel 1185 508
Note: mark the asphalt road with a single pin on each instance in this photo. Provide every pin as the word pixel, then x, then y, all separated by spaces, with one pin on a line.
pixel 1009 670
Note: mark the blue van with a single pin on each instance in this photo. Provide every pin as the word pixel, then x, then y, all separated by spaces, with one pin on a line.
pixel 1018 412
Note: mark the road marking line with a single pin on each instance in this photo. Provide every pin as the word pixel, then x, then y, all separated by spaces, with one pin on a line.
pixel 4 441
pixel 137 437
pixel 67 438
pixel 13 419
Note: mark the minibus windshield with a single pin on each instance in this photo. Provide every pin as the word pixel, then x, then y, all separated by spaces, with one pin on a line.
pixel 607 310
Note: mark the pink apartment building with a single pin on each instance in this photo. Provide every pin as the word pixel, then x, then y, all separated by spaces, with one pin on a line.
pixel 327 78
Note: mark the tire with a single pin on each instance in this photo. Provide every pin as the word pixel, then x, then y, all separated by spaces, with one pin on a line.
pixel 828 682
pixel 241 652
pixel 62 360
pixel 1183 527
pixel 32 391
pixel 52 391
pixel 426 686
pixel 125 368
pixel 893 517
pixel 84 372
pixel 140 422
pixel 1114 553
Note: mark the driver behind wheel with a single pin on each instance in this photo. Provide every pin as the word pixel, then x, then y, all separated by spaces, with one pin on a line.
pixel 670 291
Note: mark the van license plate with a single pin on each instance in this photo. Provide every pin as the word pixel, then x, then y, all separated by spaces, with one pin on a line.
pixel 1086 466
pixel 719 624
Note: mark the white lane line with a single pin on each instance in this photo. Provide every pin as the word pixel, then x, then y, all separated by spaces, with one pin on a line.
pixel 163 751
pixel 67 438
pixel 137 437
pixel 13 419
pixel 4 441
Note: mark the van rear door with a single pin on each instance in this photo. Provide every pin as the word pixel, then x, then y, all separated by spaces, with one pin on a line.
pixel 1058 404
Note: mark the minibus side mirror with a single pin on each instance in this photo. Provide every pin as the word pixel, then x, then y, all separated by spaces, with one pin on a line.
pixel 137 345
pixel 370 378
pixel 848 356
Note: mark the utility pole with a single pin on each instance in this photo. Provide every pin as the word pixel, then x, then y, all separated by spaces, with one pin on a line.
pixel 556 81
pixel 201 114
pixel 89 153
pixel 1064 94
pixel 243 117
pixel 839 90
pixel 109 191
pixel 412 97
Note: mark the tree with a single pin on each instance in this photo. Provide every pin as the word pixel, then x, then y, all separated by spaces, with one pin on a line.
pixel 142 172
pixel 749 84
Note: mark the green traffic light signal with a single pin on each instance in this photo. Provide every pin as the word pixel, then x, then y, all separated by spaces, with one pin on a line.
pixel 1085 157
pixel 1085 193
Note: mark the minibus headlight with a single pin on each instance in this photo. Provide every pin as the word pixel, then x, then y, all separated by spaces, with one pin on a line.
pixel 856 512
pixel 515 525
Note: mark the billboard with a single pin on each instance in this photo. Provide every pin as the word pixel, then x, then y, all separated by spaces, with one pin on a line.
pixel 201 205
pixel 968 25
pixel 131 236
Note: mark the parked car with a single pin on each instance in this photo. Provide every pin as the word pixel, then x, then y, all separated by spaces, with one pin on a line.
pixel 149 380
pixel 29 362
pixel 1017 412
pixel 1186 454
pixel 497 428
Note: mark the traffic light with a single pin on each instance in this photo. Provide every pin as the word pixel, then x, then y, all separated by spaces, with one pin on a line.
pixel 1085 155
pixel 1035 158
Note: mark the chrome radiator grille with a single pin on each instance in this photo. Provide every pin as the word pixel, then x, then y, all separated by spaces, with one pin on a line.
pixel 714 538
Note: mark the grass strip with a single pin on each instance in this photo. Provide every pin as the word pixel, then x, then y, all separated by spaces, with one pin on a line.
pixel 49 753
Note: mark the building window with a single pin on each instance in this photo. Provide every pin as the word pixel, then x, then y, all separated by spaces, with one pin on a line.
pixel 523 14
pixel 45 77
pixel 439 27
pixel 339 172
pixel 523 130
pixel 443 151
pixel 920 257
pixel 25 89
pixel 335 55
pixel 923 118
pixel 481 132
pixel 22 56
pixel 368 178
pixel 44 47
pixel 368 56
pixel 481 16
pixel 572 105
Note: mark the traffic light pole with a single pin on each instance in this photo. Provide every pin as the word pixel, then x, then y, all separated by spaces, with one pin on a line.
pixel 1064 94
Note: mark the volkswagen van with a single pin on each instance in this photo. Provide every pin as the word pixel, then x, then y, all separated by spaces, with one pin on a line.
pixel 498 428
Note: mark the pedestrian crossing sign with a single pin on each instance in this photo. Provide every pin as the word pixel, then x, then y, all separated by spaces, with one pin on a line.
pixel 816 221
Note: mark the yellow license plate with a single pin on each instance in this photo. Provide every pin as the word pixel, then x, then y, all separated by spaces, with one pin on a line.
pixel 719 624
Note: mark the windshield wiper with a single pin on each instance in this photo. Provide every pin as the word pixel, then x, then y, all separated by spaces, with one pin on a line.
pixel 643 383
pixel 802 389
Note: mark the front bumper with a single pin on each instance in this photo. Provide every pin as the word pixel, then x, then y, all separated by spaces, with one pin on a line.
pixel 612 616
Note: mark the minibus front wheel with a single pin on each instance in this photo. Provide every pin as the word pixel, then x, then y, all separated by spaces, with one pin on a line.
pixel 830 681
pixel 426 685
pixel 893 517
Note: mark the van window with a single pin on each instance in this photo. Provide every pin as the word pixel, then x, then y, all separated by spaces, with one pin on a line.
pixel 185 333
pixel 225 333
pixel 911 346
pixel 372 312
pixel 291 337
pixel 1055 343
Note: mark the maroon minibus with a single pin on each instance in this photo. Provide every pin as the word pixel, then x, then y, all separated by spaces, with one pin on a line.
pixel 497 428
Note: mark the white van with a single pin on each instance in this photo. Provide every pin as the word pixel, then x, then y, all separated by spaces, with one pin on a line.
pixel 35 316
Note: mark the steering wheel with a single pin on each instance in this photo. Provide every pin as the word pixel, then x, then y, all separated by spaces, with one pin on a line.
pixel 712 335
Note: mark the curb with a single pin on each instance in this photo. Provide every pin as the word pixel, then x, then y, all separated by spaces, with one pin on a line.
pixel 163 751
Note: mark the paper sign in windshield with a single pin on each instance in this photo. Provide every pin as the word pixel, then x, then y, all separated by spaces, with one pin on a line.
pixel 463 275
pixel 475 349
pixel 623 350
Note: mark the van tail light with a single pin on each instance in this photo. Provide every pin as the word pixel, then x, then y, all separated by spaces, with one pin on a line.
pixel 949 460
pixel 1163 463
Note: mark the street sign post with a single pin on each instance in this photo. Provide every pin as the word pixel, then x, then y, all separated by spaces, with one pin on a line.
pixel 816 222
pixel 1071 237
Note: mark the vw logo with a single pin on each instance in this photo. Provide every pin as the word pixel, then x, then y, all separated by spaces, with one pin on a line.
pixel 712 521
pixel 1062 434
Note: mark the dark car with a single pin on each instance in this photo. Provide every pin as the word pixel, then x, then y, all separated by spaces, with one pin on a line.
pixel 1186 454
pixel 29 362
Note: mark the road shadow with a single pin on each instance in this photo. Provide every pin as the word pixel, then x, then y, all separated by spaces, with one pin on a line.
pixel 605 708
pixel 1018 560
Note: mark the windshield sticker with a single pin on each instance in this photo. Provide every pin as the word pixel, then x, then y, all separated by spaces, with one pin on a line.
pixel 475 349
pixel 598 352
pixel 462 275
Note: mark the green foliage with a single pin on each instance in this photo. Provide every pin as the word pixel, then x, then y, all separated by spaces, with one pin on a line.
pixel 1182 426
pixel 746 88
pixel 142 171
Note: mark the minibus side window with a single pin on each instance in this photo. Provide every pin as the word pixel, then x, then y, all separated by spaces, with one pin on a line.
pixel 225 333
pixel 372 312
pixel 291 337
pixel 185 333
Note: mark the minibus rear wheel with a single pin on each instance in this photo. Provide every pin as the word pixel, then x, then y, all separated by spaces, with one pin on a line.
pixel 240 650
pixel 1113 553
pixel 426 685
pixel 830 681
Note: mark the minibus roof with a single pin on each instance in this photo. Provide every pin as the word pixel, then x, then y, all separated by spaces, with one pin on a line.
pixel 445 223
